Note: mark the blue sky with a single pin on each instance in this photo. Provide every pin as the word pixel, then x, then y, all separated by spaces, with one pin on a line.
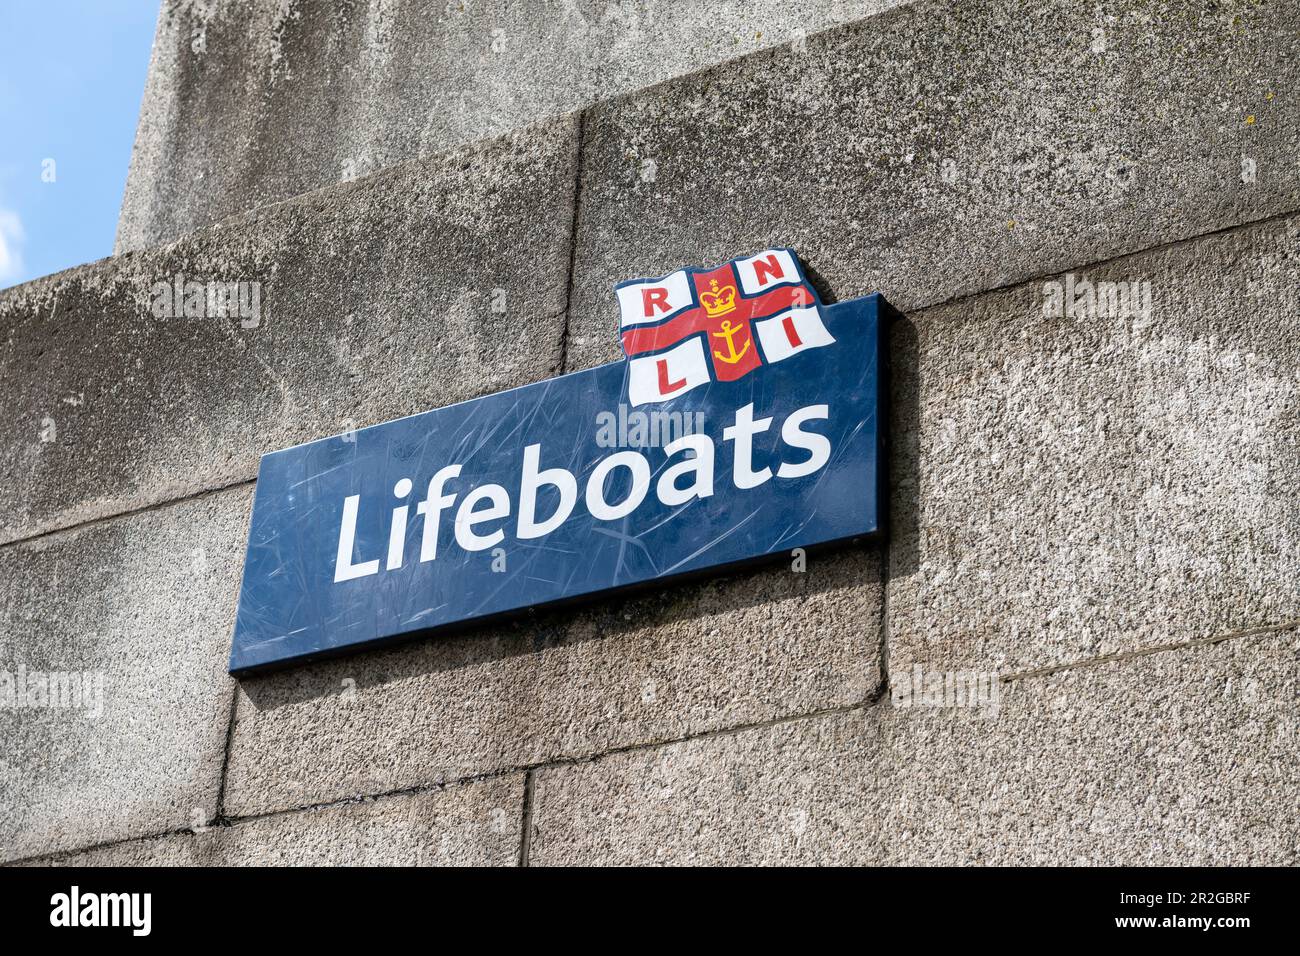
pixel 71 77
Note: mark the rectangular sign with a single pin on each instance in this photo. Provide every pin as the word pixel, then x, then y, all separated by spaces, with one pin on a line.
pixel 599 480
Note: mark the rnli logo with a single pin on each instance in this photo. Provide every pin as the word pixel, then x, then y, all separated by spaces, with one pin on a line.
pixel 696 326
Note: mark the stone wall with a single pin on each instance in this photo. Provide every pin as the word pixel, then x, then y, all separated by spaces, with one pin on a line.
pixel 1097 509
pixel 254 101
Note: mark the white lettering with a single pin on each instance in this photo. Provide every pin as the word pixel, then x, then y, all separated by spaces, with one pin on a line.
pixel 640 469
pixel 687 474
pixel 533 479
pixel 742 433
pixel 700 464
pixel 432 507
pixel 397 530
pixel 818 446
pixel 344 569
pixel 75 909
pixel 467 517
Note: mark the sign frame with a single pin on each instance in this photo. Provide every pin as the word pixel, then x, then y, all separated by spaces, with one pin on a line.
pixel 285 498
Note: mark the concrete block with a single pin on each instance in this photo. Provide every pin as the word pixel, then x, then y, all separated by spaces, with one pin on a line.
pixel 1066 488
pixel 1184 757
pixel 425 285
pixel 473 824
pixel 944 148
pixel 359 87
pixel 125 626
pixel 665 665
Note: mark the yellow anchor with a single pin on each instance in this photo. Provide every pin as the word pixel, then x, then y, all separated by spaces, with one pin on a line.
pixel 728 330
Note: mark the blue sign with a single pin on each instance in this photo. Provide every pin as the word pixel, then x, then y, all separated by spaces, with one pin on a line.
pixel 744 423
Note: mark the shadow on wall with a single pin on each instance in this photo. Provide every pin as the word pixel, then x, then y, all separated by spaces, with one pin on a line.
pixel 659 606
pixel 904 448
pixel 903 388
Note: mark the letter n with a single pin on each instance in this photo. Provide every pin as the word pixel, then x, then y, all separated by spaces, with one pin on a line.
pixel 765 268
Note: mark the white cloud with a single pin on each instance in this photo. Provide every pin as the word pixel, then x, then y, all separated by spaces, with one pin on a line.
pixel 11 240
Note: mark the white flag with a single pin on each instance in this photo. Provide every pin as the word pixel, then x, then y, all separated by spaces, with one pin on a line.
pixel 790 333
pixel 657 378
pixel 654 300
pixel 767 270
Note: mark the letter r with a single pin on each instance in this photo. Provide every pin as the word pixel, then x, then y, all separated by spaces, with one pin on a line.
pixel 651 298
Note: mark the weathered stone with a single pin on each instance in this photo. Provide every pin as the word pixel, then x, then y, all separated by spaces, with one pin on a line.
pixel 666 665
pixel 359 87
pixel 1098 508
pixel 145 605
pixel 422 286
pixel 1183 757
pixel 1070 487
pixel 474 824
pixel 943 149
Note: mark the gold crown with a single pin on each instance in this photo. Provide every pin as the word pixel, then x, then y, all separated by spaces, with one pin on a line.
pixel 719 301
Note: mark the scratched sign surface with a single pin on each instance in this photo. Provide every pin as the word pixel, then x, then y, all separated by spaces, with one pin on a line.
pixel 744 423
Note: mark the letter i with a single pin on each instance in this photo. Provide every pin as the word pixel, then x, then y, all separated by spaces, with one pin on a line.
pixel 790 333
pixel 397 532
